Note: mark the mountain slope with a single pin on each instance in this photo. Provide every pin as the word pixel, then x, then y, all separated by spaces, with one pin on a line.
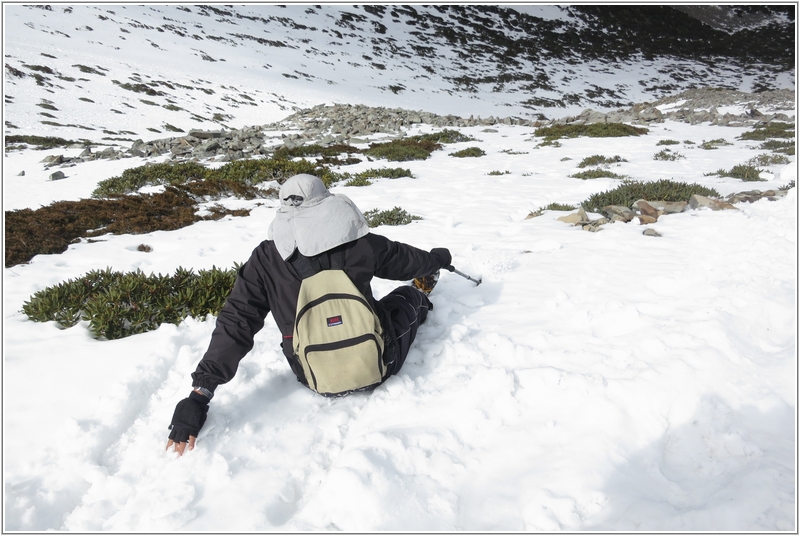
pixel 121 72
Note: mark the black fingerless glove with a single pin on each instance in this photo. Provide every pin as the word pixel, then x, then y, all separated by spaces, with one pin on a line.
pixel 442 256
pixel 189 417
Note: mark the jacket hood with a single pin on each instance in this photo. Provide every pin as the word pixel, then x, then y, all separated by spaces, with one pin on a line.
pixel 312 219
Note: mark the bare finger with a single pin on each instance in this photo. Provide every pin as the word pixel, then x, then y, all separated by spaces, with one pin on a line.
pixel 179 448
pixel 192 440
pixel 169 444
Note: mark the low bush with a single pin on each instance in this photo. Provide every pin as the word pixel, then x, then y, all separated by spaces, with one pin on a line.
pixel 777 146
pixel 667 155
pixel 771 130
pixel 744 172
pixel 403 150
pixel 714 144
pixel 768 160
pixel 496 173
pixel 596 174
pixel 668 142
pixel 788 186
pixel 51 229
pixel 559 206
pixel 358 181
pixel 245 172
pixel 597 160
pixel 631 191
pixel 395 216
pixel 44 142
pixel 469 152
pixel 445 136
pixel 120 304
pixel 594 130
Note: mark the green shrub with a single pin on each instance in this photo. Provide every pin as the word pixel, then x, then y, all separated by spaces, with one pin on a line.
pixel 246 172
pixel 594 130
pixel 470 152
pixel 559 206
pixel 768 160
pixel 373 173
pixel 119 304
pixel 313 150
pixel 668 142
pixel 358 181
pixel 510 151
pixel 445 136
pixel 788 186
pixel 403 150
pixel 497 173
pixel 714 144
pixel 596 160
pixel 631 191
pixel 777 146
pixel 44 142
pixel 395 216
pixel 667 155
pixel 596 174
pixel 149 175
pixel 771 130
pixel 744 172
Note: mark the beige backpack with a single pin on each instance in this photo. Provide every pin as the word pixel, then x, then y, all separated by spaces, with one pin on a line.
pixel 337 336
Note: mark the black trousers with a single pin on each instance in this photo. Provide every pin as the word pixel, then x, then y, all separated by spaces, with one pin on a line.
pixel 407 308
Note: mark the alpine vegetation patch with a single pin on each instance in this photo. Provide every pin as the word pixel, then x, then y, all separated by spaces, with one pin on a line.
pixel 119 304
pixel 394 216
pixel 775 129
pixel 667 155
pixel 598 160
pixel 714 144
pixel 596 174
pixel 631 191
pixel 469 152
pixel 745 172
pixel 592 130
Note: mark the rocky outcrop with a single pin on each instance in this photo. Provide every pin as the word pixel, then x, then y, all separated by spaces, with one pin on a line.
pixel 649 212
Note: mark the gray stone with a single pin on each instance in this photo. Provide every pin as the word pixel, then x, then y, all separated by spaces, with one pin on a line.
pixel 646 209
pixel 207 134
pixel 699 201
pixel 650 232
pixel 669 207
pixel 21 174
pixel 619 213
pixel 57 176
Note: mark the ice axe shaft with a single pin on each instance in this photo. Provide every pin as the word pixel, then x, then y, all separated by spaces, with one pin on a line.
pixel 450 268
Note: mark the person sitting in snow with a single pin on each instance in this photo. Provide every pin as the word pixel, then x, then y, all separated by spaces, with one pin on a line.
pixel 315 238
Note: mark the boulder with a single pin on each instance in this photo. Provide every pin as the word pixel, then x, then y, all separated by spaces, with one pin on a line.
pixel 650 232
pixel 669 207
pixel 619 213
pixel 646 209
pixel 57 176
pixel 575 217
pixel 644 219
pixel 699 201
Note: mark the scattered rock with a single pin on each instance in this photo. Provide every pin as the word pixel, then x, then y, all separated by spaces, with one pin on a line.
pixel 646 209
pixel 21 173
pixel 575 218
pixel 650 232
pixel 699 201
pixel 57 176
pixel 669 207
pixel 619 213
pixel 644 219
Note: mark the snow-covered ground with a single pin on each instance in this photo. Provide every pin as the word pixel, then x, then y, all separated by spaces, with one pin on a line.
pixel 593 381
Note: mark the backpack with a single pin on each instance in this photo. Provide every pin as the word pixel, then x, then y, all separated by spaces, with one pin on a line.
pixel 338 338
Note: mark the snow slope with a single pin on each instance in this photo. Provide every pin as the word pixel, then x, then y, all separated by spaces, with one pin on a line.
pixel 594 381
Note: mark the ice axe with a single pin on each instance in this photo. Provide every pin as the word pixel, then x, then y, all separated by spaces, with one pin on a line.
pixel 450 268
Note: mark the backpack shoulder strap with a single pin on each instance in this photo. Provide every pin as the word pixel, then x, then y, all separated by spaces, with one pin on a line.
pixel 327 260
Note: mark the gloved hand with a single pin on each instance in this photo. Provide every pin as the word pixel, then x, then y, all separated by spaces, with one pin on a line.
pixel 442 256
pixel 189 417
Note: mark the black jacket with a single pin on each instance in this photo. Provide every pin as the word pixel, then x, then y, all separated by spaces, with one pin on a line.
pixel 267 283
